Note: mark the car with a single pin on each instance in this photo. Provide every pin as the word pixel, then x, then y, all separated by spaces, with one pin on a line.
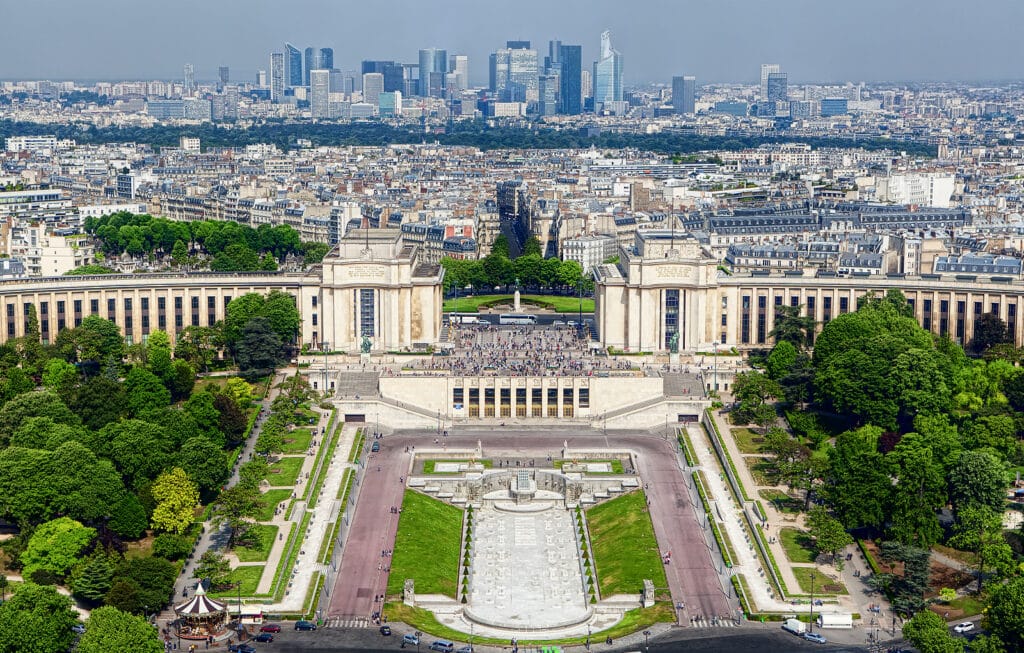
pixel 242 648
pixel 411 639
pixel 375 447
pixel 385 630
pixel 465 649
pixel 264 637
pixel 305 625
pixel 815 637
pixel 965 627
pixel 270 628
pixel 78 629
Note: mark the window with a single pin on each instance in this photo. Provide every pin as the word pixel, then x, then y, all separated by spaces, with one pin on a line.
pixel 844 305
pixel 794 300
pixel 314 319
pixel 195 303
pixel 584 397
pixel 745 320
pixel 94 307
pixel 314 301
pixel 111 309
pixel 161 303
pixel 671 315
pixel 44 308
pixel 762 319
pixel 177 303
pixel 367 313
pixel 144 304
pixel 457 398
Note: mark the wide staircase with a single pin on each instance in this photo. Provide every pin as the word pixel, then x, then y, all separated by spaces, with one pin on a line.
pixel 357 384
pixel 677 384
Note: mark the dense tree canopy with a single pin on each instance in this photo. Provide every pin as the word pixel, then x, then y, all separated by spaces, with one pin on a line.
pixel 36 619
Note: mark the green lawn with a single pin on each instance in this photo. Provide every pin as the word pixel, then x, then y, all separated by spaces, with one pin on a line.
pixel 823 584
pixel 249 575
pixel 258 548
pixel 297 441
pixel 782 501
pixel 284 472
pixel 748 440
pixel 554 302
pixel 798 545
pixel 271 498
pixel 430 465
pixel 761 470
pixel 616 465
pixel 426 546
pixel 624 547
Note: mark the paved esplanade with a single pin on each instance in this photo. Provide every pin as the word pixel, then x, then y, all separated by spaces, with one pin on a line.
pixel 526 571
pixel 692 578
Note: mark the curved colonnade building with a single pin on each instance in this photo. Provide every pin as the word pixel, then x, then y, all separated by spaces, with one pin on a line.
pixel 374 286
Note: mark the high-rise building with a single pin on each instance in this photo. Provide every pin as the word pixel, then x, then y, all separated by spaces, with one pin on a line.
pixel 223 75
pixel 459 64
pixel 586 85
pixel 497 69
pixel 390 104
pixel 433 67
pixel 547 91
pixel 190 80
pixel 607 74
pixel 570 79
pixel 394 73
pixel 277 76
pixel 684 90
pixel 522 73
pixel 317 58
pixel 320 93
pixel 292 65
pixel 517 45
pixel 778 87
pixel 261 79
pixel 767 69
pixel 373 86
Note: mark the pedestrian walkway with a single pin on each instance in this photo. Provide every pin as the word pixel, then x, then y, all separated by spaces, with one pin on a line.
pixel 348 622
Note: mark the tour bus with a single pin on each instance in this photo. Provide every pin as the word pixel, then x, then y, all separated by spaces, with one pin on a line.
pixel 517 318
pixel 465 318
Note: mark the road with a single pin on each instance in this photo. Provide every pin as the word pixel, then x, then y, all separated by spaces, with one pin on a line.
pixel 692 578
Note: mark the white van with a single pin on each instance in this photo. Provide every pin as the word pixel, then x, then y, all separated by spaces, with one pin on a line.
pixel 794 626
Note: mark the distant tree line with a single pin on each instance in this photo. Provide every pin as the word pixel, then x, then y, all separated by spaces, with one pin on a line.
pixel 286 134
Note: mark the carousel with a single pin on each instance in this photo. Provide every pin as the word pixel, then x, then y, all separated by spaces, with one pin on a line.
pixel 201 617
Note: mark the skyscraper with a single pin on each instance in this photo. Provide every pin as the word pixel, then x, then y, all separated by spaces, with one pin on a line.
pixel 607 74
pixel 292 65
pixel 522 73
pixel 277 76
pixel 433 66
pixel 223 74
pixel 683 91
pixel 190 80
pixel 261 79
pixel 767 69
pixel 373 86
pixel 778 87
pixel 320 93
pixel 497 71
pixel 547 91
pixel 322 58
pixel 459 64
pixel 570 79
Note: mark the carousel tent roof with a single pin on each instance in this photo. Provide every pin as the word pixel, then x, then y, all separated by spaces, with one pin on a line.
pixel 200 605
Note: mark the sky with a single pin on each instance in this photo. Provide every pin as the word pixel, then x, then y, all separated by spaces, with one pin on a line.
pixel 714 40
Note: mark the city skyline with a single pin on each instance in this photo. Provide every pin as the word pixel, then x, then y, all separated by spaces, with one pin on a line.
pixel 723 43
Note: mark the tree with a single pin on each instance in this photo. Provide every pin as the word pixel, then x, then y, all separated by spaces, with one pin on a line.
pixel 176 499
pixel 98 401
pixel 235 507
pixel 200 407
pixel 213 566
pixel 929 634
pixel 907 591
pixel 919 493
pixel 158 355
pixel 91 580
pixel 240 392
pixel 61 377
pixel 55 546
pixel 782 360
pixel 110 629
pixel 198 346
pixel 980 529
pixel 40 403
pixel 36 619
pixel 30 346
pixel 204 462
pixel 989 330
pixel 500 246
pixel 182 379
pixel 791 327
pixel 829 535
pixel 98 339
pixel 977 478
pixel 259 350
pixel 858 485
pixel 1005 615
pixel 532 247
pixel 138 449
pixel 144 392
pixel 149 581
pixel 233 421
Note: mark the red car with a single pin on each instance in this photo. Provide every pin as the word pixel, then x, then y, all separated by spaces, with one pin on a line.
pixel 270 628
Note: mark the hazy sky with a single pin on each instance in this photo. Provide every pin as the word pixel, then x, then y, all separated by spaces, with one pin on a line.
pixel 716 40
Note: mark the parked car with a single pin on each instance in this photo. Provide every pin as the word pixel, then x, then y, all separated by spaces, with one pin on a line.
pixel 305 625
pixel 264 637
pixel 375 447
pixel 242 648
pixel 965 627
pixel 465 649
pixel 78 629
pixel 385 630
pixel 815 637
pixel 270 628
pixel 410 639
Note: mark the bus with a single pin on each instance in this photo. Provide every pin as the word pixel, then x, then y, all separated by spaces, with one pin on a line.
pixel 466 318
pixel 517 318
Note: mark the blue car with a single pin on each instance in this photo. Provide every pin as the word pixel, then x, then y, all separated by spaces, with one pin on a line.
pixel 305 625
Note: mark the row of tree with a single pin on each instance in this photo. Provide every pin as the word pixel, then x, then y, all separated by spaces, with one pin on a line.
pixel 497 269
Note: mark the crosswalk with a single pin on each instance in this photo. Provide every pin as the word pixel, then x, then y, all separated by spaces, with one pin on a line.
pixel 712 622
pixel 347 622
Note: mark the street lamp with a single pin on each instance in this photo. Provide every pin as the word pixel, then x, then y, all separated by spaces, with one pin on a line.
pixel 418 635
pixel 647 634
pixel 811 625
pixel 588 637
pixel 325 346
pixel 715 386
